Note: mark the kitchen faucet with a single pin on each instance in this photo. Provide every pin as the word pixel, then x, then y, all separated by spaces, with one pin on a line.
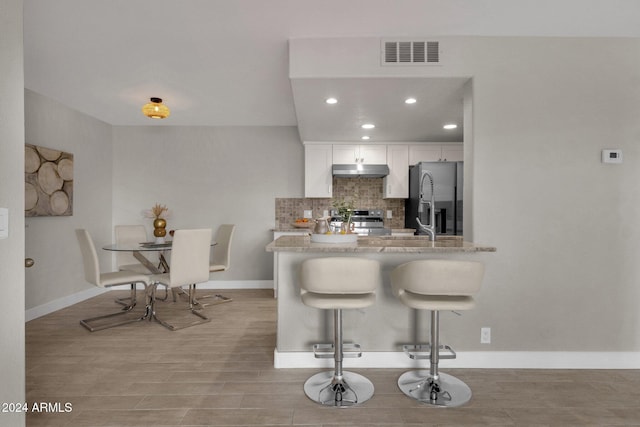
pixel 430 229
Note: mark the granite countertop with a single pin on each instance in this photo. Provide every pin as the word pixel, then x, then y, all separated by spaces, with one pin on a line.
pixel 310 230
pixel 388 244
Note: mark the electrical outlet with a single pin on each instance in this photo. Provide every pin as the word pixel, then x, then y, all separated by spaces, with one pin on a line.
pixel 308 213
pixel 485 335
pixel 389 214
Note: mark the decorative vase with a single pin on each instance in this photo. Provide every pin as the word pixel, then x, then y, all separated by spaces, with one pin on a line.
pixel 159 229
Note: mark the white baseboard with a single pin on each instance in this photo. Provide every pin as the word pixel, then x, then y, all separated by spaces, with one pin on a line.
pixel 472 359
pixel 60 303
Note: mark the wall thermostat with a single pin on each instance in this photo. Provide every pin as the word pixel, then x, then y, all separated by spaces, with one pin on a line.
pixel 611 156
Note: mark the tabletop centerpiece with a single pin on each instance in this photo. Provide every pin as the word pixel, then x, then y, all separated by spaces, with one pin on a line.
pixel 159 223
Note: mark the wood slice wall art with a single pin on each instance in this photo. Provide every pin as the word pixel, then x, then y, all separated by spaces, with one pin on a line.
pixel 48 176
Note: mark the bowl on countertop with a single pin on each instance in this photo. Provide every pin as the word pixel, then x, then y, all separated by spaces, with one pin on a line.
pixel 304 224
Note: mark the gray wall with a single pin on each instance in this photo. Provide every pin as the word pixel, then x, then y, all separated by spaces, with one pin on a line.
pixel 12 366
pixel 51 241
pixel 565 276
pixel 208 176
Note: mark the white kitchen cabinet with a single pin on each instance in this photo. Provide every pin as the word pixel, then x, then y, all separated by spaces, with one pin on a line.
pixel 396 184
pixel 444 152
pixel 318 179
pixel 366 154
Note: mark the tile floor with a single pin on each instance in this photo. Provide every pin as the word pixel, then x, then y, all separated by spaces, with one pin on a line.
pixel 221 373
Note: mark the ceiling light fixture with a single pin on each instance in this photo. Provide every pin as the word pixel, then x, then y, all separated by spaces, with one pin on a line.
pixel 155 109
pixel 410 101
pixel 450 126
pixel 365 138
pixel 368 126
pixel 331 101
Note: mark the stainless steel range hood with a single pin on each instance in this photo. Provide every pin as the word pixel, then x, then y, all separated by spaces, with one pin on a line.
pixel 359 170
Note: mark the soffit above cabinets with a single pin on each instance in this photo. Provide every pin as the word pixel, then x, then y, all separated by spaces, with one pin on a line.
pixel 379 100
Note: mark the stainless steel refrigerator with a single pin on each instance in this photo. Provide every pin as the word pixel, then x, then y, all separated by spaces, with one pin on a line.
pixel 447 185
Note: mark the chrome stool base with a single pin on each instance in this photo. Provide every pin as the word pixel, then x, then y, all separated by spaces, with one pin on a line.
pixel 326 389
pixel 446 391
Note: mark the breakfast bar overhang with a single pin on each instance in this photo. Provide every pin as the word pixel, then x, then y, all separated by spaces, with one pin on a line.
pixel 381 330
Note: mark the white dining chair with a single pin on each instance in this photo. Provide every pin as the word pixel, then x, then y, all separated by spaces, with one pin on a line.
pixel 189 266
pixel 220 260
pixel 106 280
pixel 125 261
pixel 130 235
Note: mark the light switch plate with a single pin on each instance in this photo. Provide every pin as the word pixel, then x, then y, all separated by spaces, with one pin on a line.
pixel 308 213
pixel 4 223
pixel 612 156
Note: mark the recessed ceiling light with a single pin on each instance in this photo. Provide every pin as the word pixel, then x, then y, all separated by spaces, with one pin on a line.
pixel 368 126
pixel 331 101
pixel 410 101
pixel 450 126
pixel 365 138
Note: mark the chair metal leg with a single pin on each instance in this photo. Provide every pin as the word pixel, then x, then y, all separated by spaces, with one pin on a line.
pixel 338 388
pixel 153 315
pixel 131 299
pixel 432 387
pixel 219 299
pixel 127 308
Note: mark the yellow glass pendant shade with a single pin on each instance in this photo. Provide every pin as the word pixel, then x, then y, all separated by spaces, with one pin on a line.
pixel 156 109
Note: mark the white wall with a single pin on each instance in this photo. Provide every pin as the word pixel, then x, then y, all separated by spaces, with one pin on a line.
pixel 208 176
pixel 51 241
pixel 12 364
pixel 565 276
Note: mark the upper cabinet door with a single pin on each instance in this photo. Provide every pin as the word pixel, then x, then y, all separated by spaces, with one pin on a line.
pixel 446 152
pixel 424 153
pixel 373 154
pixel 396 184
pixel 318 178
pixel 366 154
pixel 345 154
pixel 453 153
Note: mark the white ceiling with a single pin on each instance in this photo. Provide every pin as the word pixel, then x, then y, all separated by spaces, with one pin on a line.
pixel 225 62
pixel 379 101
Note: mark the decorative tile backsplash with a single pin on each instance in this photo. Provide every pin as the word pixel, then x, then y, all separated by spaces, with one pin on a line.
pixel 365 192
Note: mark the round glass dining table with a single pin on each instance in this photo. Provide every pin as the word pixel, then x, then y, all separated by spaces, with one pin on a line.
pixel 137 250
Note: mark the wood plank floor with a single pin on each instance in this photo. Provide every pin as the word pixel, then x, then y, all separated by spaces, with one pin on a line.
pixel 221 373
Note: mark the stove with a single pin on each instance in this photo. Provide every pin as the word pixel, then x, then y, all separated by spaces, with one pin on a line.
pixel 366 222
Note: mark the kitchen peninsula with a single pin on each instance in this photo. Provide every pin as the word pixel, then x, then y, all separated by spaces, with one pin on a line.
pixel 382 329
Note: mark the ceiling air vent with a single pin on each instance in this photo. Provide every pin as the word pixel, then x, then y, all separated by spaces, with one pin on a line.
pixel 419 52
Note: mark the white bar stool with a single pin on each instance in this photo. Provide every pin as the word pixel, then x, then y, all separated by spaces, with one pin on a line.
pixel 338 283
pixel 436 285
